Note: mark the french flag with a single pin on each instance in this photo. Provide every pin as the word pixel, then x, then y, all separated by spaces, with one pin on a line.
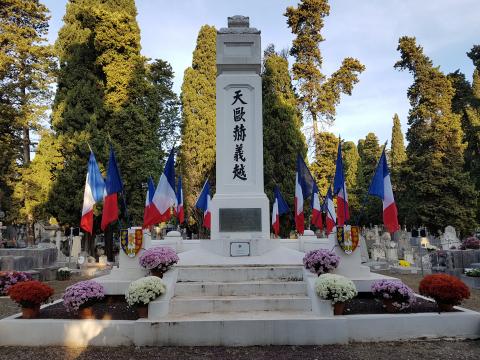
pixel 303 189
pixel 165 197
pixel 329 208
pixel 316 208
pixel 180 213
pixel 340 189
pixel 148 202
pixel 113 186
pixel 93 193
pixel 381 187
pixel 203 203
pixel 280 207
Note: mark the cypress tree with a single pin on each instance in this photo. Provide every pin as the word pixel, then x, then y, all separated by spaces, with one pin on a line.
pixel 351 160
pixel 397 155
pixel 319 95
pixel 369 152
pixel 437 189
pixel 282 122
pixel 323 168
pixel 197 153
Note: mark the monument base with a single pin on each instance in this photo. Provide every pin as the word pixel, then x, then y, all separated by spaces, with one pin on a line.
pixel 239 247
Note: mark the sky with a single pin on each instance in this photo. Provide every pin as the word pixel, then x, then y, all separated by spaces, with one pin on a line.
pixel 367 30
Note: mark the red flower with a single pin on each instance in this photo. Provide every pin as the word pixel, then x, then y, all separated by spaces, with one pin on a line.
pixel 29 293
pixel 444 288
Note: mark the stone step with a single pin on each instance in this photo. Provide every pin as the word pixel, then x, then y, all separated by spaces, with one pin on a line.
pixel 239 273
pixel 221 304
pixel 260 287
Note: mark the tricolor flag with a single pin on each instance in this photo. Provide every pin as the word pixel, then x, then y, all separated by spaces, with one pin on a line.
pixel 113 185
pixel 165 197
pixel 94 189
pixel 340 189
pixel 381 186
pixel 329 208
pixel 148 202
pixel 203 203
pixel 316 208
pixel 280 207
pixel 303 189
pixel 180 213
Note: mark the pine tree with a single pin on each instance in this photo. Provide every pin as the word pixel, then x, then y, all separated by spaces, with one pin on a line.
pixel 438 191
pixel 319 95
pixel 282 122
pixel 323 168
pixel 197 153
pixel 369 152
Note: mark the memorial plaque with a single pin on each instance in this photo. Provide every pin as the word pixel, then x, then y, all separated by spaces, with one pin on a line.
pixel 240 220
pixel 239 249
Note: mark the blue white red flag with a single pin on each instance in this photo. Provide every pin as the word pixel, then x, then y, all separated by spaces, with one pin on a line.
pixel 340 189
pixel 316 208
pixel 203 203
pixel 303 189
pixel 180 212
pixel 165 197
pixel 280 207
pixel 93 193
pixel 113 185
pixel 329 207
pixel 381 187
pixel 148 202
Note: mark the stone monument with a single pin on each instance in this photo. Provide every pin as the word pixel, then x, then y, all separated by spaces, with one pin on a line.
pixel 240 208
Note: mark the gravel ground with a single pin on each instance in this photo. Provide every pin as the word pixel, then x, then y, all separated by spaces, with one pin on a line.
pixel 413 280
pixel 439 349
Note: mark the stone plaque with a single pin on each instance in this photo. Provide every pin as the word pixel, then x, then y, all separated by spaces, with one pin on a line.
pixel 239 249
pixel 240 220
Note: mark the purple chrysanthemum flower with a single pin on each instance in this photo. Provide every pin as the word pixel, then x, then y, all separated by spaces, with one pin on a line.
pixel 321 261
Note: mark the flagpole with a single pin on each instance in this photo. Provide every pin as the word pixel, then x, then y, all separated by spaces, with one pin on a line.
pixel 343 185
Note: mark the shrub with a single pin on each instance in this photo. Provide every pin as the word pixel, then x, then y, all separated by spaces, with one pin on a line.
pixel 473 272
pixel 144 290
pixel 334 287
pixel 395 290
pixel 159 258
pixel 82 294
pixel 470 243
pixel 9 278
pixel 444 288
pixel 30 293
pixel 320 261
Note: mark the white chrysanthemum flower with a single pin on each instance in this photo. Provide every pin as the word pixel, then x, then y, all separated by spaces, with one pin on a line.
pixel 334 287
pixel 144 290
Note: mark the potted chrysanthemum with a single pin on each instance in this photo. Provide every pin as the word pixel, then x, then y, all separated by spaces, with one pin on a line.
pixel 30 295
pixel 321 261
pixel 337 289
pixel 446 290
pixel 142 291
pixel 64 273
pixel 10 278
pixel 158 260
pixel 80 297
pixel 395 294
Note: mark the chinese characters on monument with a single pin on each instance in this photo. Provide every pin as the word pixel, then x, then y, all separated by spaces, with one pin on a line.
pixel 239 136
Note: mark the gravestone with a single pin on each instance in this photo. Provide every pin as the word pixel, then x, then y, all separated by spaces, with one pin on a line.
pixel 449 239
pixel 240 208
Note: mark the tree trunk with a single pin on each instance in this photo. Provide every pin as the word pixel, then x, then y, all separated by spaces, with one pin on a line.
pixel 26 146
pixel 315 133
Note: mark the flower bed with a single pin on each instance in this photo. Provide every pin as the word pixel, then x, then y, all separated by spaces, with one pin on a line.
pixel 144 290
pixel 401 296
pixel 82 294
pixel 159 259
pixel 321 261
pixel 9 278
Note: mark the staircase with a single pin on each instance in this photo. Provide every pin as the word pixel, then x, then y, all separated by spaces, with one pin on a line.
pixel 238 289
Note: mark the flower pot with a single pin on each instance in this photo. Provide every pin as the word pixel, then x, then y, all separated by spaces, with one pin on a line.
pixel 157 272
pixel 389 307
pixel 142 311
pixel 338 308
pixel 30 312
pixel 86 312
pixel 444 307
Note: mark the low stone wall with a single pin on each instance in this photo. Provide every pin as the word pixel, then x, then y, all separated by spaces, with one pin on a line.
pixel 27 258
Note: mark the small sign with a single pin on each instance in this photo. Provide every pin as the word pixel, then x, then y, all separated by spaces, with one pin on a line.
pixel 239 249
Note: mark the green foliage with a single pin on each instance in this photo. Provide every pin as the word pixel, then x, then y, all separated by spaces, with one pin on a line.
pixel 351 160
pixel 323 168
pixel 26 65
pixel 369 152
pixel 282 136
pixel 319 95
pixel 437 189
pixel 197 152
